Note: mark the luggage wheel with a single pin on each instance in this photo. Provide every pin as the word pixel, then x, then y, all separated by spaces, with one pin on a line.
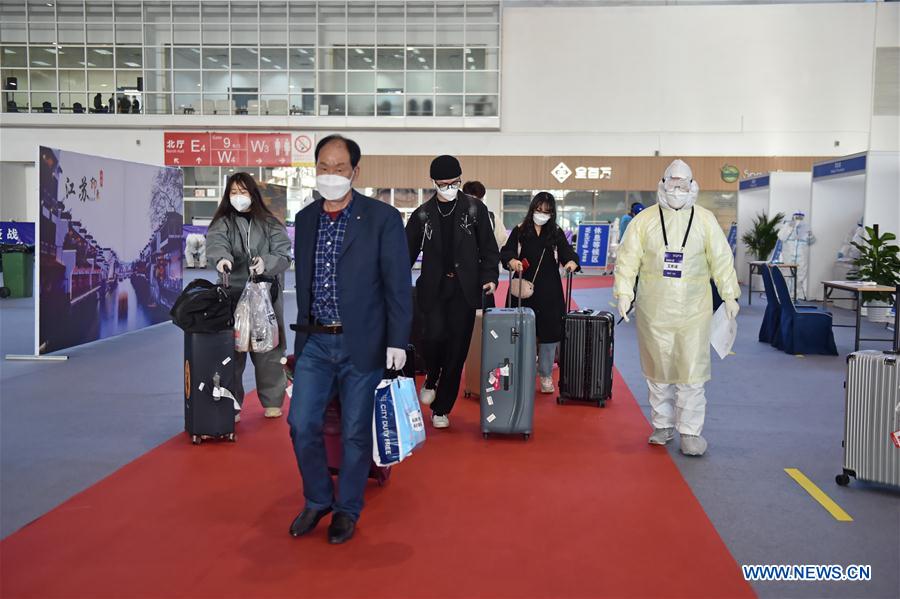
pixel 485 435
pixel 232 437
pixel 601 404
pixel 842 479
pixel 526 436
pixel 467 394
pixel 559 401
pixel 196 440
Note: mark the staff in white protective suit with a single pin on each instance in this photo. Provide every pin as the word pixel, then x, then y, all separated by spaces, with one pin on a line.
pixel 673 250
pixel 195 250
pixel 795 239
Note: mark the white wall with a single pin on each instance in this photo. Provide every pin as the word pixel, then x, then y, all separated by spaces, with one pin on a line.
pixel 684 80
pixel 17 182
pixel 883 191
pixel 750 203
pixel 885 129
pixel 789 193
pixel 835 207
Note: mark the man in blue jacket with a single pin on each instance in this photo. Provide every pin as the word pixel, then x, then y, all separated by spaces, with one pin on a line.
pixel 353 320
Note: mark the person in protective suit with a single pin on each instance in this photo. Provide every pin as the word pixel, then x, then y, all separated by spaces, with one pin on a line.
pixel 673 250
pixel 795 239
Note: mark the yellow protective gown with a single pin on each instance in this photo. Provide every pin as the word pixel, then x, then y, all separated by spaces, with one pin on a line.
pixel 674 315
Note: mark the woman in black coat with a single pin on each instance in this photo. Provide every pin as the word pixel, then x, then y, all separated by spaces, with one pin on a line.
pixel 538 246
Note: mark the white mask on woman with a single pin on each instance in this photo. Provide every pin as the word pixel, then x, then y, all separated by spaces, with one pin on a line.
pixel 241 203
pixel 540 219
pixel 333 187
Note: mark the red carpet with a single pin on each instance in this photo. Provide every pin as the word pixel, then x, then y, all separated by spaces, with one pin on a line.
pixel 584 509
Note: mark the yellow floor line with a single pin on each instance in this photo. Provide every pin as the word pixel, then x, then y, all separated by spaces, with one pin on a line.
pixel 819 495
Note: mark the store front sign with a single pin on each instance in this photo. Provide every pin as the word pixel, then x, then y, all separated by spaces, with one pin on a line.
pixel 561 172
pixel 238 149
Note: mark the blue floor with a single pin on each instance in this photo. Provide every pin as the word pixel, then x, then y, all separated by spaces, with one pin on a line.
pixel 64 426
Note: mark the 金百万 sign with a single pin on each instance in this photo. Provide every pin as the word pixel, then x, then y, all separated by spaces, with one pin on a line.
pixel 561 172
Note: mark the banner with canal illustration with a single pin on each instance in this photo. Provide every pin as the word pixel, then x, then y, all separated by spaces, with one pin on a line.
pixel 110 247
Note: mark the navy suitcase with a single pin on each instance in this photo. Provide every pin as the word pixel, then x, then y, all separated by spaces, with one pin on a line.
pixel 208 364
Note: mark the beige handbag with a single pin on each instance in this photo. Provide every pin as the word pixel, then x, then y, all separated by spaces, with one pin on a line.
pixel 521 288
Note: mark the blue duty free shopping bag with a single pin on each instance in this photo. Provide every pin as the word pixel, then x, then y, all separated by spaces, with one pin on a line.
pixel 397 424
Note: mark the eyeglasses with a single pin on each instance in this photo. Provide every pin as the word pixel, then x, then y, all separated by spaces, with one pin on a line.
pixel 448 186
pixel 673 184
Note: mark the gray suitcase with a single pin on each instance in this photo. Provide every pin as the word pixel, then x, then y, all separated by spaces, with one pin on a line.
pixel 872 415
pixel 508 371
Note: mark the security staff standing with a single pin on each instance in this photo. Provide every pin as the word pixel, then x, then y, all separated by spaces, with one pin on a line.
pixel 460 261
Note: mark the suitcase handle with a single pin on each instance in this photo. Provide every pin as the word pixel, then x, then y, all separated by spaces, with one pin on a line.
pixel 521 278
pixel 570 278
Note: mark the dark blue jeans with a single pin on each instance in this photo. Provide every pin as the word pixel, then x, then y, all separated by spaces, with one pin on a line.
pixel 323 369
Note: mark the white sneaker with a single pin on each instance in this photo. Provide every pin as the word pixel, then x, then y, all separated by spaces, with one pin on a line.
pixel 661 436
pixel 694 445
pixel 426 396
pixel 547 384
pixel 272 413
pixel 440 421
pixel 237 417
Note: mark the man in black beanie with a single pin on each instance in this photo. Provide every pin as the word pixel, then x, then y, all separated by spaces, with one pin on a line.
pixel 459 262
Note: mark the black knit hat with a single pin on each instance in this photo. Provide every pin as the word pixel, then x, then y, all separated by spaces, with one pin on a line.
pixel 444 168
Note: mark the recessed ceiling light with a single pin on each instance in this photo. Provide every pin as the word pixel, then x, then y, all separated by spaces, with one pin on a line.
pixel 133 65
pixel 421 59
pixel 264 59
pixel 8 51
pixel 367 59
pixel 103 51
pixel 290 87
pixel 277 66
pixel 40 63
pixel 302 51
pixel 211 59
pixel 252 50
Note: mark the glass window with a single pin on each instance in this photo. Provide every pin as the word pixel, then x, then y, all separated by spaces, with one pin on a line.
pixel 302 11
pixel 157 34
pixel 128 58
pixel 481 105
pixel 513 218
pixel 186 12
pixel 390 59
pixel 243 34
pixel 449 34
pixel 99 33
pixel 215 82
pixel 450 12
pixel 20 75
pixel 157 58
pixel 241 58
pixel 41 11
pixel 72 80
pixel 128 11
pixel 419 105
pixel 273 11
pixel 198 209
pixel 16 56
pixel 482 82
pixel 157 11
pixel 420 13
pixel 187 81
pixel 245 80
pixel 448 83
pixel 274 83
pixel 215 58
pixel 157 104
pixel 157 81
pixel 187 58
pixel 390 83
pixel 15 102
pixel 390 105
pixel 332 23
pixel 303 104
pixel 483 59
pixel 302 58
pixel 360 83
pixel 244 12
pixel 332 58
pixel 100 81
pixel 98 10
pixel 450 59
pixel 362 105
pixel 330 105
pixel 71 33
pixel 482 35
pixel 273 58
pixel 128 33
pixel 41 33
pixel 13 31
pixel 67 103
pixel 389 35
pixel 15 11
pixel 608 205
pixel 332 81
pixel 43 80
pixel 302 81
pixel 721 203
pixel 186 33
pixel 420 83
pixel 482 12
pixel 276 104
pixel 214 11
pixel 187 103
pixel 420 35
pixel 420 59
pixel 516 200
pixel 127 79
pixel 274 34
pixel 361 58
pixel 42 57
pixel 45 100
pixel 101 58
pixel 449 106
pixel 215 33
pixel 360 34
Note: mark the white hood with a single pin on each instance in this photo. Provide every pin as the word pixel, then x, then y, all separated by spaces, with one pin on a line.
pixel 680 169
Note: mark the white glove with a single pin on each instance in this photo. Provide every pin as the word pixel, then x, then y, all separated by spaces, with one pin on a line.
pixel 257 266
pixel 624 305
pixel 489 288
pixel 223 264
pixel 731 309
pixel 396 358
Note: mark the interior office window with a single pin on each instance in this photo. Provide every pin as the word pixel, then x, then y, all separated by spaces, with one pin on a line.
pixel 72 81
pixel 67 102
pixel 389 105
pixel 302 58
pixel 187 58
pixel 302 82
pixel 100 58
pixel 333 58
pixel 70 33
pixel 361 23
pixel 420 83
pixel 185 33
pixel 481 105
pixel 127 79
pixel 481 59
pixel 449 34
pixel 157 103
pixel 390 23
pixel 43 80
pixel 482 12
pixel 186 81
pixel 13 11
pixel 483 35
pixel 332 23
pixel 215 58
pixel 99 32
pixel 128 11
pixel 332 105
pixel 44 101
pixel 215 33
pixel 157 59
pixel 129 57
pixel 482 82
pixel 361 58
pixel 273 33
pixel 21 81
pixel 274 82
pixel 187 103
pixel 448 82
pixel 214 12
pixel 13 31
pixel 449 59
pixel 389 82
pixel 448 106
pixel 41 11
pixel 216 82
pixel 16 56
pixel 276 104
pixel 332 81
pixel 186 22
pixel 273 11
pixel 244 13
pixel 419 105
pixel 128 33
pixel 100 81
pixel 390 59
pixel 360 82
pixel 42 57
pixel 41 33
pixel 158 11
pixel 157 34
pixel 241 58
pixel 273 58
pixel 243 34
pixel 16 101
pixel 420 59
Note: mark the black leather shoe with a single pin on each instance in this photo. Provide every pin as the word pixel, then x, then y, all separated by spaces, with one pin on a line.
pixel 341 528
pixel 307 521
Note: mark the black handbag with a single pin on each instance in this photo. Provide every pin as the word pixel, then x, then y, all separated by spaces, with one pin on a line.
pixel 203 307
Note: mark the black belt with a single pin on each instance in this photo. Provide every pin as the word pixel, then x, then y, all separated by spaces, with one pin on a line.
pixel 319 329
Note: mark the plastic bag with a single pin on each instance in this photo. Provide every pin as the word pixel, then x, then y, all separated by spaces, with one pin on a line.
pixel 397 423
pixel 263 323
pixel 242 323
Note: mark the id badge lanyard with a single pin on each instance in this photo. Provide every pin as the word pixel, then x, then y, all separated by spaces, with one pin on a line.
pixel 673 262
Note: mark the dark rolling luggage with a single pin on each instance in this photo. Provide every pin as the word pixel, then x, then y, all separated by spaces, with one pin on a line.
pixel 586 355
pixel 508 371
pixel 872 418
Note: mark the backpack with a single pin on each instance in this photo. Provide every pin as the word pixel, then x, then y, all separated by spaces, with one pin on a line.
pixel 203 307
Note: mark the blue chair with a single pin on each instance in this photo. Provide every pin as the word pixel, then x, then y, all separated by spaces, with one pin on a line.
pixel 770 327
pixel 805 331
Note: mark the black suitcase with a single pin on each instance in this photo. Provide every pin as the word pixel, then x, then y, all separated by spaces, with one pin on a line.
pixel 208 364
pixel 586 355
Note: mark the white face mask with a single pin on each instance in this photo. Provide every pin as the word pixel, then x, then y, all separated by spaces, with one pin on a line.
pixel 540 219
pixel 333 187
pixel 449 194
pixel 677 198
pixel 241 203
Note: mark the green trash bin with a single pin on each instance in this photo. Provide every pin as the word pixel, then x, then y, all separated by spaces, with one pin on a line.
pixel 18 273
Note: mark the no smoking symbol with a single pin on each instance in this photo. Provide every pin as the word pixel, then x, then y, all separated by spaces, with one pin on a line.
pixel 302 144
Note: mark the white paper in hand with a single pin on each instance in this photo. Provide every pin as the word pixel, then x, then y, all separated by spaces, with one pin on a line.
pixel 722 332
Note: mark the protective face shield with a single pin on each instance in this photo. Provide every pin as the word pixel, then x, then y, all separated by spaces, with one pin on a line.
pixel 540 219
pixel 677 189
pixel 333 187
pixel 241 203
pixel 798 216
pixel 449 191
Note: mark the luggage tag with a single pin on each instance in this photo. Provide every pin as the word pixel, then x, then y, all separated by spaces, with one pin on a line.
pixel 494 380
pixel 672 264
pixel 895 437
pixel 415 420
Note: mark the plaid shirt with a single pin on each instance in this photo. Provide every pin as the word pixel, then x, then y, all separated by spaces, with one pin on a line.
pixel 329 239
